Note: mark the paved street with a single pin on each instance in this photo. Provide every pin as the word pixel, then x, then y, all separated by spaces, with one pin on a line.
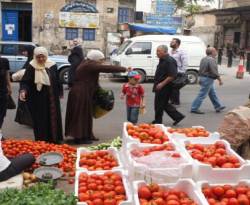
pixel 233 93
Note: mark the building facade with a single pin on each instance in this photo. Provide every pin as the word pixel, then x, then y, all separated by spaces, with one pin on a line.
pixel 54 24
pixel 234 24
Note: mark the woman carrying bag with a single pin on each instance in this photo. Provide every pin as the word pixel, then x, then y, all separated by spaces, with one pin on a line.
pixel 81 98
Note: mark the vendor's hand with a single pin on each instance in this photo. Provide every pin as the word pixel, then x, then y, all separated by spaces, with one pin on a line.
pixel 23 95
pixel 159 86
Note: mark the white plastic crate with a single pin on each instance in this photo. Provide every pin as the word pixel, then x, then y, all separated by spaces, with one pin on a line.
pixel 139 171
pixel 113 151
pixel 185 185
pixel 128 139
pixel 178 137
pixel 203 184
pixel 122 173
pixel 206 172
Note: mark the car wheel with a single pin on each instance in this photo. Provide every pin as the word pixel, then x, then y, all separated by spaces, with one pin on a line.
pixel 143 76
pixel 192 77
pixel 64 75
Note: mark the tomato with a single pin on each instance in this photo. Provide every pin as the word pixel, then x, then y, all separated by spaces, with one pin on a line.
pixel 218 191
pixel 120 190
pixel 109 202
pixel 230 193
pixel 144 192
pixel 83 197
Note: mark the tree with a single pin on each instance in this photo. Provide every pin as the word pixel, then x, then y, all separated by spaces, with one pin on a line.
pixel 191 6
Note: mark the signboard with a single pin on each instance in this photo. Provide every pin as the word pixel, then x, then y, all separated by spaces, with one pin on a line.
pixel 78 20
pixel 161 20
pixel 165 7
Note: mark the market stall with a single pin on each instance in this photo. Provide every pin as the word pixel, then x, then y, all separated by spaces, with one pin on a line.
pixel 149 165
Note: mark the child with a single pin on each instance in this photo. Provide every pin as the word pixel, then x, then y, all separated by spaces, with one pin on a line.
pixel 134 93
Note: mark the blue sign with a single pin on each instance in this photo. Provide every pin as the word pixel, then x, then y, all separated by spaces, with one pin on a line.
pixel 165 7
pixel 161 20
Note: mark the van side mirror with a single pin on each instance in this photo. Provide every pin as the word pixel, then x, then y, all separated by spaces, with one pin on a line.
pixel 129 51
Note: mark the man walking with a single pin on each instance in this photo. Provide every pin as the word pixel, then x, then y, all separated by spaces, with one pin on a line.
pixel 75 58
pixel 166 72
pixel 208 73
pixel 182 63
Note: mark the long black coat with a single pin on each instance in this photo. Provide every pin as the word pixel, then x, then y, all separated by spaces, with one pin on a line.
pixel 79 114
pixel 75 59
pixel 44 105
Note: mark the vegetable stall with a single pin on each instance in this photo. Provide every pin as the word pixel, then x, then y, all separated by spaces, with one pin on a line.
pixel 149 165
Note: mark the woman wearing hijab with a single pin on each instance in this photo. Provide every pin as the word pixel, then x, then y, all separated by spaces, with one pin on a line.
pixel 5 88
pixel 41 88
pixel 23 115
pixel 79 114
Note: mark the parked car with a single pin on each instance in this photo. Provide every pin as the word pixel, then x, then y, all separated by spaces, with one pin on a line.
pixel 140 54
pixel 12 50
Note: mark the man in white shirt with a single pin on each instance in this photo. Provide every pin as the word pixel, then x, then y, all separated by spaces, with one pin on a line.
pixel 13 167
pixel 182 63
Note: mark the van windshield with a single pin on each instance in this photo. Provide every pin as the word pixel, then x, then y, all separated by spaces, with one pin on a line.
pixel 123 47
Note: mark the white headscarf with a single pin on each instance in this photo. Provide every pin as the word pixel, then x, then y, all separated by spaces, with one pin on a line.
pixel 41 76
pixel 95 55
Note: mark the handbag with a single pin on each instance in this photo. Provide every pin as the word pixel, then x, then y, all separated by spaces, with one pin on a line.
pixel 104 101
pixel 11 105
pixel 180 81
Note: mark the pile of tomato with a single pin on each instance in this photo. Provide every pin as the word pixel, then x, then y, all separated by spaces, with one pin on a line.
pixel 13 148
pixel 190 132
pixel 98 160
pixel 147 133
pixel 154 195
pixel 104 189
pixel 227 195
pixel 147 151
pixel 215 154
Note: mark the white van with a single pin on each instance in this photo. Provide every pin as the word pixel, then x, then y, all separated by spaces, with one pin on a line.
pixel 140 54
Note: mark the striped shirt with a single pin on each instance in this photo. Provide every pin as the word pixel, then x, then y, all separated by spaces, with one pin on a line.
pixel 181 58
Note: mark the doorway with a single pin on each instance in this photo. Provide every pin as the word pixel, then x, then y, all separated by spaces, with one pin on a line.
pixel 237 36
pixel 25 24
pixel 16 21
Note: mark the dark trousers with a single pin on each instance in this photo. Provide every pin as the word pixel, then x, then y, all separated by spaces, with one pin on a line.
pixel 162 104
pixel 3 108
pixel 175 96
pixel 18 165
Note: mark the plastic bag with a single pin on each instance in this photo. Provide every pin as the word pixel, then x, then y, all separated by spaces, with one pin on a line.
pixel 104 101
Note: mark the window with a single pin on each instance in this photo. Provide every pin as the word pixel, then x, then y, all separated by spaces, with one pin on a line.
pixel 123 15
pixel 143 48
pixel 89 34
pixel 71 33
pixel 9 49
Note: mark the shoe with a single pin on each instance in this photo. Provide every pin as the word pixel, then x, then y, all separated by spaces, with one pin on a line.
pixel 155 122
pixel 80 141
pixel 95 139
pixel 221 108
pixel 197 112
pixel 177 121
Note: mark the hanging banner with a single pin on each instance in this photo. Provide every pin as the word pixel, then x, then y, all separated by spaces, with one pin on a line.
pixel 78 20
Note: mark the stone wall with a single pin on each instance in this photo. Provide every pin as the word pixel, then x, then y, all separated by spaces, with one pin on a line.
pixel 235 3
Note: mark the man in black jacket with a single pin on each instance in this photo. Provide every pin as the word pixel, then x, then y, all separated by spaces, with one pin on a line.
pixel 166 72
pixel 75 58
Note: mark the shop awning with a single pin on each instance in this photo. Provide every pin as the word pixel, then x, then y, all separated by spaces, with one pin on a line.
pixel 152 29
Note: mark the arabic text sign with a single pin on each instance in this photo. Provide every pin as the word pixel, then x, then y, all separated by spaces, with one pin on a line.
pixel 164 20
pixel 78 20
